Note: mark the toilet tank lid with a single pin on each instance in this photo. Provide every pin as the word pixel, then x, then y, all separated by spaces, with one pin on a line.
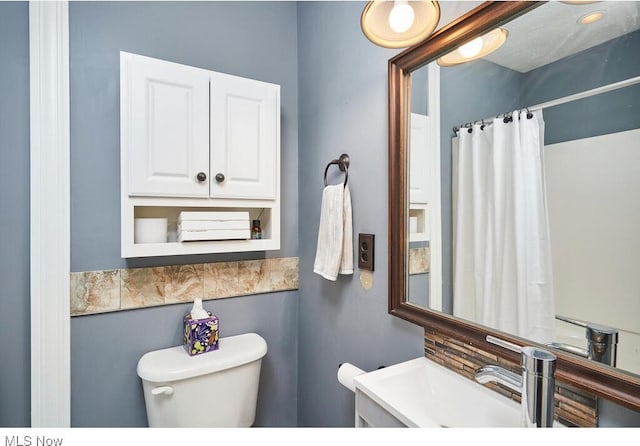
pixel 174 363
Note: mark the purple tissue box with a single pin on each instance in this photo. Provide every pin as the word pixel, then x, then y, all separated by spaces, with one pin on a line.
pixel 201 335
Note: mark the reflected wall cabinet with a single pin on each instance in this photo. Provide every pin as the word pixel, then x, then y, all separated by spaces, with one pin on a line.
pixel 420 158
pixel 196 140
pixel 424 154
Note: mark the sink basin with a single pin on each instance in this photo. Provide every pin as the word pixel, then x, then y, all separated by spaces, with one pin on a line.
pixel 421 393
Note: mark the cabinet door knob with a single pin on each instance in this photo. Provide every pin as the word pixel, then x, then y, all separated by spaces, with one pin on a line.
pixel 201 176
pixel 219 178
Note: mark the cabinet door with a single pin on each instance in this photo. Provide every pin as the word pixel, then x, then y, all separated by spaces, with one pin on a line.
pixel 166 127
pixel 245 137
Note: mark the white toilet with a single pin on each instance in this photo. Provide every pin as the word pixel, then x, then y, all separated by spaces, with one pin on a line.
pixel 214 389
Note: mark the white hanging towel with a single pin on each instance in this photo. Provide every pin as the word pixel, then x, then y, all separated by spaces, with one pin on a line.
pixel 334 252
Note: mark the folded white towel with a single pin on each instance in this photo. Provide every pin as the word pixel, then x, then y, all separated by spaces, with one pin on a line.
pixel 334 252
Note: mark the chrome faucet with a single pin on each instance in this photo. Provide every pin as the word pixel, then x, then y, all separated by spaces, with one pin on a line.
pixel 536 383
pixel 602 342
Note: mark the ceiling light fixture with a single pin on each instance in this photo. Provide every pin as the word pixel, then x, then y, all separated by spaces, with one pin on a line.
pixel 476 48
pixel 400 23
pixel 472 48
pixel 592 17
pixel 401 17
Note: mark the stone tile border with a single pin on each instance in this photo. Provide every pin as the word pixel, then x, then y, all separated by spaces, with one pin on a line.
pixel 573 407
pixel 419 260
pixel 94 292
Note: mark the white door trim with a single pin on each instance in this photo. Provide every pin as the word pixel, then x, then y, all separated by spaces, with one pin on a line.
pixel 435 206
pixel 50 213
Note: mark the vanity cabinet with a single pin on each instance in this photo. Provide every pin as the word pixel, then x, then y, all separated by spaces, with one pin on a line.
pixel 195 139
pixel 371 414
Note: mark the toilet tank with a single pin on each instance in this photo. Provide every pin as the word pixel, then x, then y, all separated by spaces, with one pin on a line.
pixel 215 389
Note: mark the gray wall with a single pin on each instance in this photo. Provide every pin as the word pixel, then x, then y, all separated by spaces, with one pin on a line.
pixel 419 91
pixel 614 415
pixel 617 111
pixel 254 40
pixel 419 289
pixel 343 108
pixel 15 366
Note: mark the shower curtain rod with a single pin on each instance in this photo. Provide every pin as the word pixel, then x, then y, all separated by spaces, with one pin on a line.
pixel 573 97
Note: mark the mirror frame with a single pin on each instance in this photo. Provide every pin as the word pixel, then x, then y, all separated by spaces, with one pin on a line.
pixel 600 380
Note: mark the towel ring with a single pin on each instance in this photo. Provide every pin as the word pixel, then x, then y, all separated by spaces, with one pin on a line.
pixel 343 165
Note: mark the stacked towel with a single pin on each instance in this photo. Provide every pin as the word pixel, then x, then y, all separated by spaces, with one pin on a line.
pixel 334 252
pixel 206 225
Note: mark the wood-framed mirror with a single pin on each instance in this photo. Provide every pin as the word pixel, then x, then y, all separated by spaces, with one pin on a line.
pixel 602 380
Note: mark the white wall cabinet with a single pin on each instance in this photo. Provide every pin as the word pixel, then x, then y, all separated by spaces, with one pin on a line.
pixel 194 139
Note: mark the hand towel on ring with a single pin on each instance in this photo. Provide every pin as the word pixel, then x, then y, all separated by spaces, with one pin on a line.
pixel 334 252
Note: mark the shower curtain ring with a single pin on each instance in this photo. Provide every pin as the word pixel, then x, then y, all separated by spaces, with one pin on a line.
pixel 529 114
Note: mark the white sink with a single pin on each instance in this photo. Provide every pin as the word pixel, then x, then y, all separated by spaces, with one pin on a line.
pixel 421 393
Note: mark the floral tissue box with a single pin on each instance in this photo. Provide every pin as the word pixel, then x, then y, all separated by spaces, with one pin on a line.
pixel 201 335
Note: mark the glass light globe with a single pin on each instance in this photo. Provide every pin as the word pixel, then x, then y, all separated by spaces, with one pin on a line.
pixel 472 48
pixel 401 17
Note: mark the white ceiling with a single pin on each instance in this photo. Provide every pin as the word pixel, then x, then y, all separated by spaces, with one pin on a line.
pixel 551 32
pixel 451 10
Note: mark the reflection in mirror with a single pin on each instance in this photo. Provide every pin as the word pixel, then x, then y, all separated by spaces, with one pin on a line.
pixel 423 144
pixel 560 269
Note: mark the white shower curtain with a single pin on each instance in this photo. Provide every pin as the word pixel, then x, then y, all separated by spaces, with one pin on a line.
pixel 501 247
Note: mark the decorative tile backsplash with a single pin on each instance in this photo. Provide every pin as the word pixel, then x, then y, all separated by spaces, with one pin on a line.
pixel 573 407
pixel 95 292
pixel 419 260
pixel 123 289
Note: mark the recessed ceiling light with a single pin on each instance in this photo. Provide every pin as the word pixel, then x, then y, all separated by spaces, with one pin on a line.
pixel 591 17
